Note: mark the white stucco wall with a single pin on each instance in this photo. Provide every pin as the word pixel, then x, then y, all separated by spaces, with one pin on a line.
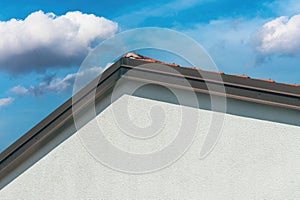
pixel 254 159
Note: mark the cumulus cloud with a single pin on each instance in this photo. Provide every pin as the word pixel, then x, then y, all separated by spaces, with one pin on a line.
pixel 6 101
pixel 53 84
pixel 44 40
pixel 280 36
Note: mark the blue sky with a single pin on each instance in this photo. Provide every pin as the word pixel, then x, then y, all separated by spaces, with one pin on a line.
pixel 40 53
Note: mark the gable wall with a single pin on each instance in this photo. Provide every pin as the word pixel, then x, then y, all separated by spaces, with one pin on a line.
pixel 253 159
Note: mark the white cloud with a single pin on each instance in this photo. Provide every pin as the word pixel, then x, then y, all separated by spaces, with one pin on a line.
pixel 6 101
pixel 55 85
pixel 280 36
pixel 20 90
pixel 45 40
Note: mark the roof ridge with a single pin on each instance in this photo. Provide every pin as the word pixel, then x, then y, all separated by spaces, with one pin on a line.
pixel 136 56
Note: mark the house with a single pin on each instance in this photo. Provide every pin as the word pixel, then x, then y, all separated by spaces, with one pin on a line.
pixel 146 129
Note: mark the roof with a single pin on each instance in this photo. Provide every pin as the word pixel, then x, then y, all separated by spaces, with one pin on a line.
pixel 242 88
pixel 133 55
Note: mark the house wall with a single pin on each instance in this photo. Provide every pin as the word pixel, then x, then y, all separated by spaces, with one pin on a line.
pixel 256 156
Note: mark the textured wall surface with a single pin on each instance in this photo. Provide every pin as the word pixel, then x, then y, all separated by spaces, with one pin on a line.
pixel 253 159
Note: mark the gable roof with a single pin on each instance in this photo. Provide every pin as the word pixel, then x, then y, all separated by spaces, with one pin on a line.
pixel 242 88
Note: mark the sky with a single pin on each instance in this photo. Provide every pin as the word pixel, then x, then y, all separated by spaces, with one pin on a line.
pixel 43 43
